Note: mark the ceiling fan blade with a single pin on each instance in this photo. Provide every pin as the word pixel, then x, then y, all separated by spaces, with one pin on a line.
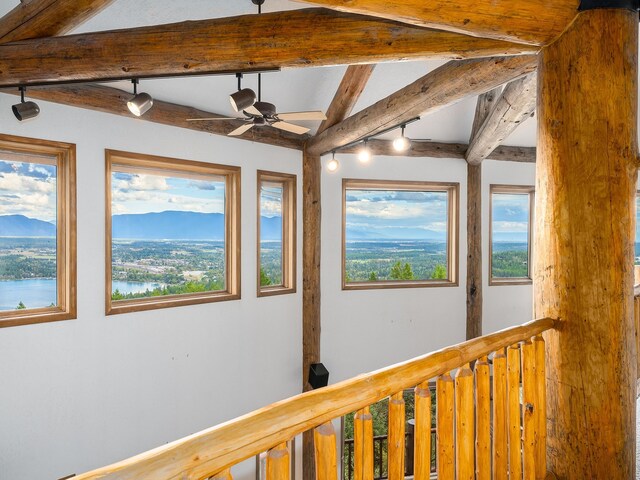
pixel 240 130
pixel 253 111
pixel 290 127
pixel 311 115
pixel 211 119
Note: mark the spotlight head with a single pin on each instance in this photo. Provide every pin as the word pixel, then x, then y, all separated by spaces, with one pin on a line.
pixel 242 99
pixel 25 110
pixel 333 164
pixel 140 104
pixel 364 154
pixel 401 144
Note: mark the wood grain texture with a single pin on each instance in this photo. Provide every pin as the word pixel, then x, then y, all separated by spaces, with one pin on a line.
pixel 535 22
pixel 47 18
pixel 278 464
pixel 516 104
pixel 529 410
pixel 500 450
pixel 513 411
pixel 465 424
pixel 422 432
pixel 326 456
pixel 483 419
pixel 113 100
pixel 541 407
pixel 586 186
pixel 443 86
pixel 445 427
pixel 396 438
pixel 347 95
pixel 363 445
pixel 222 446
pixel 289 39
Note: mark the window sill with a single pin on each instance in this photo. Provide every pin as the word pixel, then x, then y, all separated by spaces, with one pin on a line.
pixel 136 305
pixel 278 290
pixel 15 318
pixel 398 284
pixel 494 282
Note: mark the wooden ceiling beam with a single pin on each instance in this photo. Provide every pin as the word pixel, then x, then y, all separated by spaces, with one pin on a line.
pixel 535 22
pixel 297 38
pixel 114 101
pixel 347 95
pixel 47 18
pixel 424 148
pixel 441 87
pixel 516 103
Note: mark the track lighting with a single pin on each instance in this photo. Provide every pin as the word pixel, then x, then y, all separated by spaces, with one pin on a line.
pixel 364 154
pixel 25 110
pixel 243 98
pixel 141 102
pixel 401 144
pixel 333 164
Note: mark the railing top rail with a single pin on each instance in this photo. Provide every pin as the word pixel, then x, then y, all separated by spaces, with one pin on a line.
pixel 212 450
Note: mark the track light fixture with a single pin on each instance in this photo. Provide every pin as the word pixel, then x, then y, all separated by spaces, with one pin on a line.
pixel 333 164
pixel 401 144
pixel 141 102
pixel 243 98
pixel 25 110
pixel 364 154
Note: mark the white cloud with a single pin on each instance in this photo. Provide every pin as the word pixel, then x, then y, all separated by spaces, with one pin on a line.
pixel 510 226
pixel 142 183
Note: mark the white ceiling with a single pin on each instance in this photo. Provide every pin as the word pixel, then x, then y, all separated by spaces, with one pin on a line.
pixel 291 89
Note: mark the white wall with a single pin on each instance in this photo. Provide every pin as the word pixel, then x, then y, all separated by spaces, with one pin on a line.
pixel 79 394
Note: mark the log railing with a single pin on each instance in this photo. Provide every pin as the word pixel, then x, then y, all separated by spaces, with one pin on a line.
pixel 475 427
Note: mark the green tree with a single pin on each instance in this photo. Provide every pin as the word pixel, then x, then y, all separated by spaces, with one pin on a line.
pixel 373 277
pixel 439 273
pixel 21 306
pixel 401 272
pixel 264 278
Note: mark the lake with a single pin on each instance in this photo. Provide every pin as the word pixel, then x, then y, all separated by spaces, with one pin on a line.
pixel 41 292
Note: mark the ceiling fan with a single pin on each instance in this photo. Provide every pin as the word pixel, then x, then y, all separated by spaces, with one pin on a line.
pixel 259 113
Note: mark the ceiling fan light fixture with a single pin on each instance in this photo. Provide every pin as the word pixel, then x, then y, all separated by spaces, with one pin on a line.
pixel 364 154
pixel 333 164
pixel 141 102
pixel 402 143
pixel 242 99
pixel 25 110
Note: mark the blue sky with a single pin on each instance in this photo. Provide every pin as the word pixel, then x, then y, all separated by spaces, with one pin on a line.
pixel 145 193
pixel 510 217
pixel 399 215
pixel 271 199
pixel 28 189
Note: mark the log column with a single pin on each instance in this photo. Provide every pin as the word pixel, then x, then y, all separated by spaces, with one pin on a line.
pixel 585 185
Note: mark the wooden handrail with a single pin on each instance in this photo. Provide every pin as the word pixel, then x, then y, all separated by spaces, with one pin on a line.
pixel 218 448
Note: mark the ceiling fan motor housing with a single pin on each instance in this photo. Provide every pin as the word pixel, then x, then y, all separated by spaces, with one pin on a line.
pixel 265 108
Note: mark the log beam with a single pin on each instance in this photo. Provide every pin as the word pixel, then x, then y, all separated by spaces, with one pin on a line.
pixel 515 105
pixel 47 18
pixel 297 38
pixel 536 22
pixel 443 86
pixel 347 95
pixel 583 255
pixel 114 101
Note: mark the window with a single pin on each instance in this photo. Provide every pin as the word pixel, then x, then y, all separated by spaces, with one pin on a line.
pixel 173 232
pixel 511 215
pixel 276 233
pixel 399 234
pixel 37 231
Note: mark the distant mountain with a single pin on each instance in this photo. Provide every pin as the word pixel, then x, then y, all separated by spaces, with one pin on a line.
pixel 21 226
pixel 271 228
pixel 373 233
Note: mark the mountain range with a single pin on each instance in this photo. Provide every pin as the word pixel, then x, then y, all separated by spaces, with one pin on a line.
pixel 21 226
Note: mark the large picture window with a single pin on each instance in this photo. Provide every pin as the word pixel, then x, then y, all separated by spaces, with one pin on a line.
pixel 399 234
pixel 276 233
pixel 37 231
pixel 173 232
pixel 511 219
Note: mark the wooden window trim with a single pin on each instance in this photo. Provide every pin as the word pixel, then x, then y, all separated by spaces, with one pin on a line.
pixel 518 190
pixel 232 230
pixel 66 233
pixel 453 227
pixel 289 232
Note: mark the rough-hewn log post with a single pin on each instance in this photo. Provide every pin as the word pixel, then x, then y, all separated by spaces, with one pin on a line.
pixel 585 186
pixel 311 171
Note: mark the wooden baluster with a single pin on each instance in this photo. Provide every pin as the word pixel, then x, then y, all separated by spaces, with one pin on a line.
pixel 483 420
pixel 396 437
pixel 541 411
pixel 223 475
pixel 444 427
pixel 325 448
pixel 529 406
pixel 422 432
pixel 513 418
pixel 363 445
pixel 500 449
pixel 465 431
pixel 278 466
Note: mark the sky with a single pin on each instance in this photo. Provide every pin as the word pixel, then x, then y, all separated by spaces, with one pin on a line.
pixel 396 215
pixel 145 193
pixel 28 189
pixel 510 217
pixel 271 200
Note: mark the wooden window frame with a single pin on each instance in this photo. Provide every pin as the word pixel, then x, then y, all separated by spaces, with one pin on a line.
pixel 517 190
pixel 232 230
pixel 66 232
pixel 453 227
pixel 289 232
